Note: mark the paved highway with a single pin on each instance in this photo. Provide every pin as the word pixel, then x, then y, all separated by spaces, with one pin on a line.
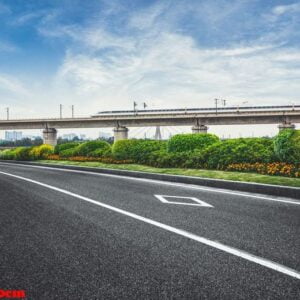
pixel 79 235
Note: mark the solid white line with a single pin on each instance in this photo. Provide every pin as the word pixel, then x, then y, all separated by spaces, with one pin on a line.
pixel 256 259
pixel 189 186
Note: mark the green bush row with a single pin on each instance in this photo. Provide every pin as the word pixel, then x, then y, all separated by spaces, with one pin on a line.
pixel 183 150
pixel 207 151
pixel 136 150
pixel 191 142
pixel 91 148
pixel 27 153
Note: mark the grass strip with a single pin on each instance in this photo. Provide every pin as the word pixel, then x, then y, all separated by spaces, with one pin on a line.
pixel 235 176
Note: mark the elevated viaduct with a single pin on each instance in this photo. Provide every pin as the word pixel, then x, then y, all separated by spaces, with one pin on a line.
pixel 199 119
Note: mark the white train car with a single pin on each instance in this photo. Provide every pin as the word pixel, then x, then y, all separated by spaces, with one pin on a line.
pixel 195 110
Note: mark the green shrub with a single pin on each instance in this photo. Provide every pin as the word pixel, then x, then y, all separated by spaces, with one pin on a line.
pixel 136 150
pixel 122 149
pixel 195 160
pixel 41 152
pixel 62 147
pixel 164 159
pixel 23 153
pixel 287 146
pixel 101 152
pixel 87 148
pixel 67 152
pixel 8 154
pixel 242 150
pixel 19 153
pixel 190 142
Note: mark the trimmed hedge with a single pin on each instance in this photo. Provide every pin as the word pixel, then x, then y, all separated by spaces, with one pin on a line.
pixel 88 148
pixel 27 153
pixel 242 150
pixel 41 152
pixel 164 159
pixel 62 147
pixel 67 152
pixel 7 154
pixel 191 142
pixel 136 150
pixel 101 152
pixel 287 146
pixel 23 153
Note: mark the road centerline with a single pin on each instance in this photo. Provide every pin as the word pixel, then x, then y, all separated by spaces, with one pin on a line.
pixel 228 249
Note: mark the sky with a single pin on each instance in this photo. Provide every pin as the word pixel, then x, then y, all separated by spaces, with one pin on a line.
pixel 105 54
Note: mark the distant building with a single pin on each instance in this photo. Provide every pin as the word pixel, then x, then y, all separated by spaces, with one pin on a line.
pixel 31 137
pixel 13 135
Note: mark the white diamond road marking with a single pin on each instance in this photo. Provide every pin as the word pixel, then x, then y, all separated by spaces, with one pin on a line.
pixel 163 199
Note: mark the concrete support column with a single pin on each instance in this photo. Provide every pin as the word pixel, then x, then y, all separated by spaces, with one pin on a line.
pixel 286 126
pixel 120 133
pixel 50 136
pixel 199 129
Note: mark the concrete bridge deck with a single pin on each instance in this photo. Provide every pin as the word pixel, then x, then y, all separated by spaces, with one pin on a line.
pixel 166 119
pixel 285 118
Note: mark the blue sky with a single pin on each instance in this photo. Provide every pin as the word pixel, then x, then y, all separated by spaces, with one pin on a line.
pixel 103 54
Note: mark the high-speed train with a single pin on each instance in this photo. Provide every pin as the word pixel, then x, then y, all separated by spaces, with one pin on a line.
pixel 197 110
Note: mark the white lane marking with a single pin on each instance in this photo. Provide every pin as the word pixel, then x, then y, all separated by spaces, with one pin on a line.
pixel 188 186
pixel 240 253
pixel 164 199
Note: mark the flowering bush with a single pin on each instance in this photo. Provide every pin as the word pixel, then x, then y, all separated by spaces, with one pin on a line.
pixel 280 169
pixel 107 160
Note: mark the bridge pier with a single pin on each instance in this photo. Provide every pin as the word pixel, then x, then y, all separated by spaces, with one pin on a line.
pixel 50 136
pixel 120 133
pixel 286 126
pixel 199 129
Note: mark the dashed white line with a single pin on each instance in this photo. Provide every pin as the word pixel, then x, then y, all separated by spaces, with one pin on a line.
pixel 239 253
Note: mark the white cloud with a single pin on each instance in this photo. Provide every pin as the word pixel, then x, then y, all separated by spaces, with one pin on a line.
pixel 283 9
pixel 171 70
pixel 147 18
pixel 27 17
pixel 4 9
pixel 12 85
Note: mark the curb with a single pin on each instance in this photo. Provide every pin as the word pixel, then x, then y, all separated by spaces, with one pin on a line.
pixel 268 189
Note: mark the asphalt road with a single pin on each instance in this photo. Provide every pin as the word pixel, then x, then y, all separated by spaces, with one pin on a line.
pixel 78 235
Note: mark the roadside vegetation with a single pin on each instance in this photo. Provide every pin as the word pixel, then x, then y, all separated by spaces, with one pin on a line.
pixel 246 159
pixel 226 175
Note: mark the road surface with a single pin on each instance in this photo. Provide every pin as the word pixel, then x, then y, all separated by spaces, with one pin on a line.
pixel 67 234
